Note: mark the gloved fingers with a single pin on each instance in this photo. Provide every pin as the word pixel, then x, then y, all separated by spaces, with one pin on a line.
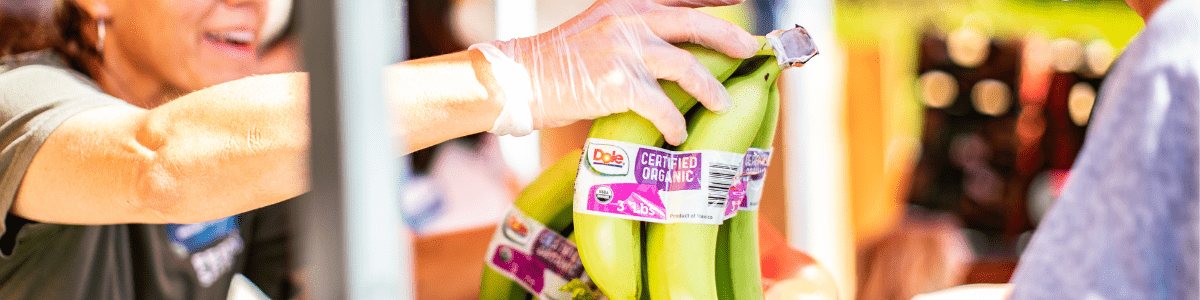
pixel 654 105
pixel 698 3
pixel 678 25
pixel 598 12
pixel 680 66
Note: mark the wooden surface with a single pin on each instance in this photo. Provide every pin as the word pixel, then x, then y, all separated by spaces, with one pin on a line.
pixel 991 270
pixel 449 266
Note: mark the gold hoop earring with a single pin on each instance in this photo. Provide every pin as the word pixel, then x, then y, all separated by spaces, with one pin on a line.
pixel 100 34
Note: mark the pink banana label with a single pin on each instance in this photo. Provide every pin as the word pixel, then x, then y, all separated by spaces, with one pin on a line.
pixel 537 258
pixel 753 177
pixel 631 181
pixel 737 197
pixel 632 199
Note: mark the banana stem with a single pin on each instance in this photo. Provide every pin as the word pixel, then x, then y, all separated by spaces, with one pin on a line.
pixel 792 47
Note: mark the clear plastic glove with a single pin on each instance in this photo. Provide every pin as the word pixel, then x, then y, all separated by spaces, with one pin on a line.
pixel 608 60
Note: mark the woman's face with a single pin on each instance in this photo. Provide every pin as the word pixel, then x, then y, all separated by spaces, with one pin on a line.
pixel 186 44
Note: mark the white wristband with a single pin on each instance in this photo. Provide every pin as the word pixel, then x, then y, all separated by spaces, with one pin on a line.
pixel 516 91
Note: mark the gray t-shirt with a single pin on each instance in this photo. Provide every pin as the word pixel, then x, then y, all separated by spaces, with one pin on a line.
pixel 131 261
pixel 1126 225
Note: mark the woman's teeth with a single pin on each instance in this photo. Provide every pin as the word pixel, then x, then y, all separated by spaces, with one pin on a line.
pixel 239 37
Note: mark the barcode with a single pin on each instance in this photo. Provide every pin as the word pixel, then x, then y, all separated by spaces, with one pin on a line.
pixel 720 180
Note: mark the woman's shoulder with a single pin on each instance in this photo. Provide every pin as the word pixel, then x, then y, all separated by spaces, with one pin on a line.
pixel 42 66
pixel 42 74
pixel 44 57
pixel 40 83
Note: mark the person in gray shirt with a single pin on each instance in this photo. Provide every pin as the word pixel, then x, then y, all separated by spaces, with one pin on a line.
pixel 137 152
pixel 1126 225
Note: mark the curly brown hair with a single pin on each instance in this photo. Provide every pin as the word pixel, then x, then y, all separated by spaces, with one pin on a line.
pixel 62 32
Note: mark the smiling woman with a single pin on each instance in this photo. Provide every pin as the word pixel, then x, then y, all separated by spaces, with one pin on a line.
pixel 52 50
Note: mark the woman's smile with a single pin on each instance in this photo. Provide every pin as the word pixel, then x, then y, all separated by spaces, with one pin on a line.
pixel 239 44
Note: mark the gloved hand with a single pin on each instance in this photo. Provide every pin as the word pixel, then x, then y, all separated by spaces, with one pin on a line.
pixel 607 60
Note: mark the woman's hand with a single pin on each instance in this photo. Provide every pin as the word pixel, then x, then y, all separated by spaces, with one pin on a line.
pixel 609 59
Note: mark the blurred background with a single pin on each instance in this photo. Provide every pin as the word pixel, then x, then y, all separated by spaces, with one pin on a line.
pixel 951 127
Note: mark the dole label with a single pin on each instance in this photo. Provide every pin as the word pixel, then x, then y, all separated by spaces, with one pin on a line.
pixel 608 159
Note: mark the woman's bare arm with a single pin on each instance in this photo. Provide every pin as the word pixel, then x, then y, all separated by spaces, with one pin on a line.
pixel 210 154
pixel 439 98
pixel 226 149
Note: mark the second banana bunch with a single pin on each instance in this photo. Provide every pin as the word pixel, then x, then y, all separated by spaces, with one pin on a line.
pixel 630 259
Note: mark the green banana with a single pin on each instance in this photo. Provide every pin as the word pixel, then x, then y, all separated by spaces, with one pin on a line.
pixel 681 255
pixel 645 275
pixel 611 248
pixel 739 273
pixel 547 200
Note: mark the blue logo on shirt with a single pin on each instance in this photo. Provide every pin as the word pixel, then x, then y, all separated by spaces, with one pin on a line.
pixel 197 236
pixel 211 246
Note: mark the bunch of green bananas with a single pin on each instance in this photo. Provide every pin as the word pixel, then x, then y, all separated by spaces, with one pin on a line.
pixel 680 260
pixel 697 261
